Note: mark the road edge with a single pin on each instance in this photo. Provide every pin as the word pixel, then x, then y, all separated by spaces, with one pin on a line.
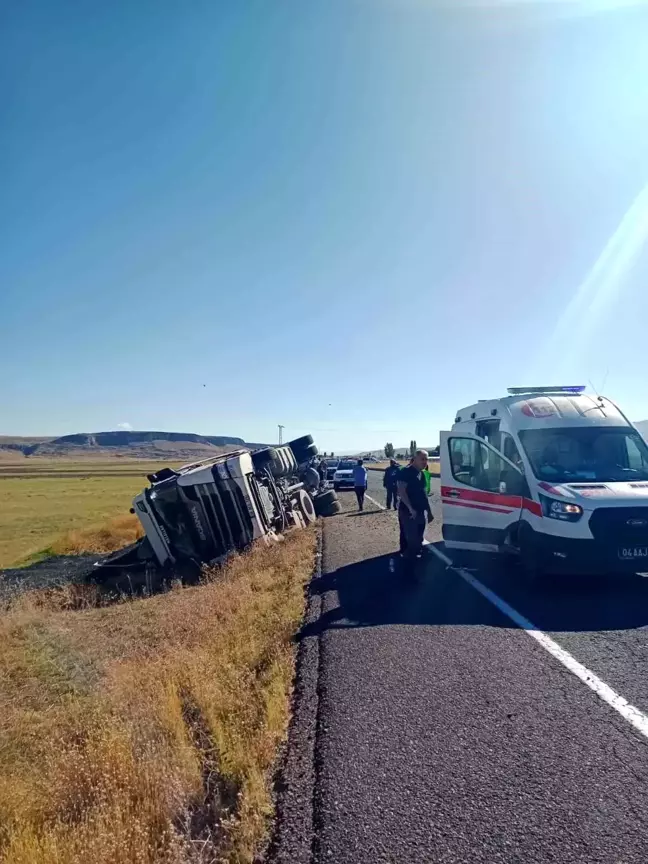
pixel 293 830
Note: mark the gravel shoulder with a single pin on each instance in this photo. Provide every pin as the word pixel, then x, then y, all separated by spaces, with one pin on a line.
pixel 49 573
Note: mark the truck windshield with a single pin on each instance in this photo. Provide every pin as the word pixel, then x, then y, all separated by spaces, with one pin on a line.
pixel 346 466
pixel 586 454
pixel 171 513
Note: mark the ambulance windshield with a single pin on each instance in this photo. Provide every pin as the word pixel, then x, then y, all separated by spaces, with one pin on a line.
pixel 586 453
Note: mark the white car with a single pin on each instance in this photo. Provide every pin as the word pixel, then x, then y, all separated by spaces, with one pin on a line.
pixel 343 477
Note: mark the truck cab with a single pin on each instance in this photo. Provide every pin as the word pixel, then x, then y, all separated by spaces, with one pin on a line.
pixel 205 510
pixel 551 474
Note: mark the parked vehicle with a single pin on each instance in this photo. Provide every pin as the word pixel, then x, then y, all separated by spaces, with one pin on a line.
pixel 331 468
pixel 343 477
pixel 551 474
pixel 203 511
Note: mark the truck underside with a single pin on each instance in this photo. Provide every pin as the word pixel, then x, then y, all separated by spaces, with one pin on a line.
pixel 203 512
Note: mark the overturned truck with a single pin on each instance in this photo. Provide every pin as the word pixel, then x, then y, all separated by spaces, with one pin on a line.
pixel 204 511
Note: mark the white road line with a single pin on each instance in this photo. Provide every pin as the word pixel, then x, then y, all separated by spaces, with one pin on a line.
pixel 633 715
pixel 373 501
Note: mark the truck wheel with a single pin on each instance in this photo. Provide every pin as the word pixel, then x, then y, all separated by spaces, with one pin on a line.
pixel 324 501
pixel 303 448
pixel 333 509
pixel 304 441
pixel 336 486
pixel 305 504
pixel 263 458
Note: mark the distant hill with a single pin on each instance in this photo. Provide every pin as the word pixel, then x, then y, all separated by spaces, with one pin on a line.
pixel 146 445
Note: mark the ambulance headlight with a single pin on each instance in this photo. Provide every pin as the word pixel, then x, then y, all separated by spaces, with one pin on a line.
pixel 563 510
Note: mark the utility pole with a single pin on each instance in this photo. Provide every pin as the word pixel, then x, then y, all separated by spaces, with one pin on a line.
pixel 281 428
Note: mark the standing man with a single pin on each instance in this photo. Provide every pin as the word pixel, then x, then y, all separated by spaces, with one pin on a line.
pixel 310 478
pixel 413 510
pixel 360 483
pixel 322 469
pixel 390 479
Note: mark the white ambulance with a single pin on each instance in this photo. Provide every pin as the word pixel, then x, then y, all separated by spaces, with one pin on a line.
pixel 552 474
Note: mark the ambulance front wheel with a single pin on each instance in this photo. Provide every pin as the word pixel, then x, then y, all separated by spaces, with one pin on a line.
pixel 531 558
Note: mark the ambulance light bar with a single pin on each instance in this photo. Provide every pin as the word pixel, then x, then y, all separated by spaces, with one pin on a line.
pixel 517 391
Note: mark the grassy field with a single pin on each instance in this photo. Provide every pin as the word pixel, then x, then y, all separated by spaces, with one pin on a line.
pixel 53 505
pixel 435 468
pixel 146 732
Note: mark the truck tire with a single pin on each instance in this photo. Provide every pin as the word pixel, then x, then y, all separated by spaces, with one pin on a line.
pixel 304 441
pixel 303 448
pixel 284 463
pixel 333 509
pixel 306 507
pixel 263 458
pixel 324 501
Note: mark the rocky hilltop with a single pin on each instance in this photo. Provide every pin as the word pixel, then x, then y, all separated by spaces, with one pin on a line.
pixel 147 444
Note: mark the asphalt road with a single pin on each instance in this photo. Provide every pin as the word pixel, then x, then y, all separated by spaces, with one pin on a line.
pixel 430 728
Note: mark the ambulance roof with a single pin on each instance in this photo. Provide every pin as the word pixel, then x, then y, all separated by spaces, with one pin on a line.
pixel 532 411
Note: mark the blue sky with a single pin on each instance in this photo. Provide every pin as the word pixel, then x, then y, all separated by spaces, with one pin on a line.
pixel 347 216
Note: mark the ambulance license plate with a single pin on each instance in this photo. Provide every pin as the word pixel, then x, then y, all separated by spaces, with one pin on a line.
pixel 627 553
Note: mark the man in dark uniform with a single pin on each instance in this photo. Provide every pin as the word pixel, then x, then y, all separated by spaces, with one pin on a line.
pixel 390 479
pixel 413 510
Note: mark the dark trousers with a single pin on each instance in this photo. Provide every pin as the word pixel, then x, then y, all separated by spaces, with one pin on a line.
pixel 392 498
pixel 360 493
pixel 411 535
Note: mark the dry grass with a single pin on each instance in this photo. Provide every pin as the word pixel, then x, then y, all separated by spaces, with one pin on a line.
pixel 114 534
pixel 145 732
pixel 52 497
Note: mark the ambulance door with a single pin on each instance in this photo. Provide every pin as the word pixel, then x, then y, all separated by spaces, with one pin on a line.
pixel 482 493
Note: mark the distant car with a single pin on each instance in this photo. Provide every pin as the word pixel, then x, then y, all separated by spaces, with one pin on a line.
pixel 343 476
pixel 371 459
pixel 331 467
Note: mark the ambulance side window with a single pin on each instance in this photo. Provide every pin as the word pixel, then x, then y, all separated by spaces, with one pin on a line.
pixel 473 464
pixel 511 451
pixel 634 454
pixel 463 459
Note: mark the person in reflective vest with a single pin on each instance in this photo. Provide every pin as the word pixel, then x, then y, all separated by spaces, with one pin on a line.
pixel 427 476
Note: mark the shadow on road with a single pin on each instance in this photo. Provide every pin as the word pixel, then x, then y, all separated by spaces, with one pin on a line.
pixel 373 593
